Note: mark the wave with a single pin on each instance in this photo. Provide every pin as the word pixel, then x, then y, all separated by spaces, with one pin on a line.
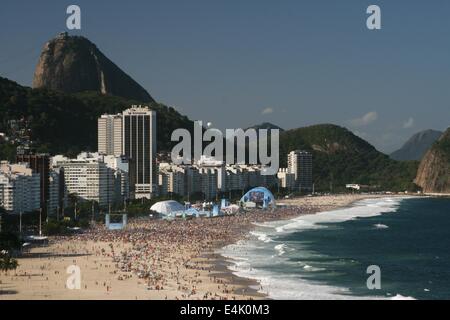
pixel 261 236
pixel 400 297
pixel 279 277
pixel 361 209
pixel 289 287
pixel 281 248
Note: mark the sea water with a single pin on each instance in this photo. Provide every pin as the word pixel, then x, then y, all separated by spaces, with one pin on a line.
pixel 326 255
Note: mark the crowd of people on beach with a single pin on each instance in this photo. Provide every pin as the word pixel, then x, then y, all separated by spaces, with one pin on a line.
pixel 156 251
pixel 172 259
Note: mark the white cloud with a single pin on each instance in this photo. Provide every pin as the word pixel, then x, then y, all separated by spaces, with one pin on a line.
pixel 365 119
pixel 408 123
pixel 267 111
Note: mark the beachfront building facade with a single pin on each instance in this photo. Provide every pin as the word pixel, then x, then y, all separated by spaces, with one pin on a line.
pixel 39 163
pixel 187 180
pixel 88 177
pixel 286 179
pixel 132 134
pixel 56 198
pixel 193 180
pixel 19 188
pixel 110 134
pixel 235 178
pixel 210 178
pixel 171 179
pixel 208 182
pixel 139 146
pixel 95 177
pixel 300 164
pixel 240 177
pixel 120 167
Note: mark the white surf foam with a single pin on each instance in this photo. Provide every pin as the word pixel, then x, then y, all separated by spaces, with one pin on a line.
pixel 400 297
pixel 290 286
pixel 293 287
pixel 361 209
pixel 261 236
pixel 281 248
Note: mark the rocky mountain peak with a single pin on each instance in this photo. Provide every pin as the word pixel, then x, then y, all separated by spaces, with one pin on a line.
pixel 73 64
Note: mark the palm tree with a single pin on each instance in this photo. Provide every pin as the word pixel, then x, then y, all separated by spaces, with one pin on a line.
pixel 7 262
pixel 8 242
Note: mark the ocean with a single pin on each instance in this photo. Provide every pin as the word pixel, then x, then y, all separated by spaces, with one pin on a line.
pixel 326 255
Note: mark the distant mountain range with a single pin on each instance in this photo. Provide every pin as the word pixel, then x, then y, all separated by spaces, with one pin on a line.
pixel 433 174
pixel 416 147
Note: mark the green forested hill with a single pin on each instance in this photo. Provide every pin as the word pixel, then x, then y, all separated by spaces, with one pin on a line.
pixel 340 157
pixel 67 123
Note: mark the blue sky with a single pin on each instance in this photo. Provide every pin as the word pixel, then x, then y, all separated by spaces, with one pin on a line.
pixel 238 63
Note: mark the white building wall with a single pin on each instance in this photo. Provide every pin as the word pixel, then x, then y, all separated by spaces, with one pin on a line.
pixel 208 182
pixel 19 188
pixel 89 178
pixel 286 179
pixel 110 134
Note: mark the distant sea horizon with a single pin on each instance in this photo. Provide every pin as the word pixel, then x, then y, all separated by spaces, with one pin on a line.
pixel 325 255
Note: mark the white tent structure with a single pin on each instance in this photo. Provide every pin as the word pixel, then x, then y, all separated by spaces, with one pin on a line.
pixel 167 207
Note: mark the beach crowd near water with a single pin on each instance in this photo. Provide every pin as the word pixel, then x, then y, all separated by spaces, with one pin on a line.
pixel 151 258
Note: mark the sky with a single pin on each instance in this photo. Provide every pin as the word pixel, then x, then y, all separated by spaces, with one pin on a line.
pixel 238 63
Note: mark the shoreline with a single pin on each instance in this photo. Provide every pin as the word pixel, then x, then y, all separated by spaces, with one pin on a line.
pixel 154 259
pixel 437 195
pixel 324 208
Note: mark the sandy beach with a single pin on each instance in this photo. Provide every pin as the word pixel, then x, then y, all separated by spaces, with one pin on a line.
pixel 151 259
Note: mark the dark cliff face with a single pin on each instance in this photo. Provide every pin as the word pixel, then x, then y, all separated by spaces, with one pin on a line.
pixel 433 175
pixel 416 147
pixel 74 64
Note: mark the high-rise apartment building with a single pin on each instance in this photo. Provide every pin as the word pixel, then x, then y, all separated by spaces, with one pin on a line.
pixel 139 146
pixel 110 134
pixel 88 177
pixel 286 179
pixel 208 182
pixel 121 168
pixel 39 163
pixel 55 199
pixel 300 164
pixel 171 179
pixel 19 188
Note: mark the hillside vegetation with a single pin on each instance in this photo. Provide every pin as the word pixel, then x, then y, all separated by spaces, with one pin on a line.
pixel 67 123
pixel 340 157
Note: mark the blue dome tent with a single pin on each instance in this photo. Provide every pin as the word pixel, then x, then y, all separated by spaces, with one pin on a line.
pixel 258 197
